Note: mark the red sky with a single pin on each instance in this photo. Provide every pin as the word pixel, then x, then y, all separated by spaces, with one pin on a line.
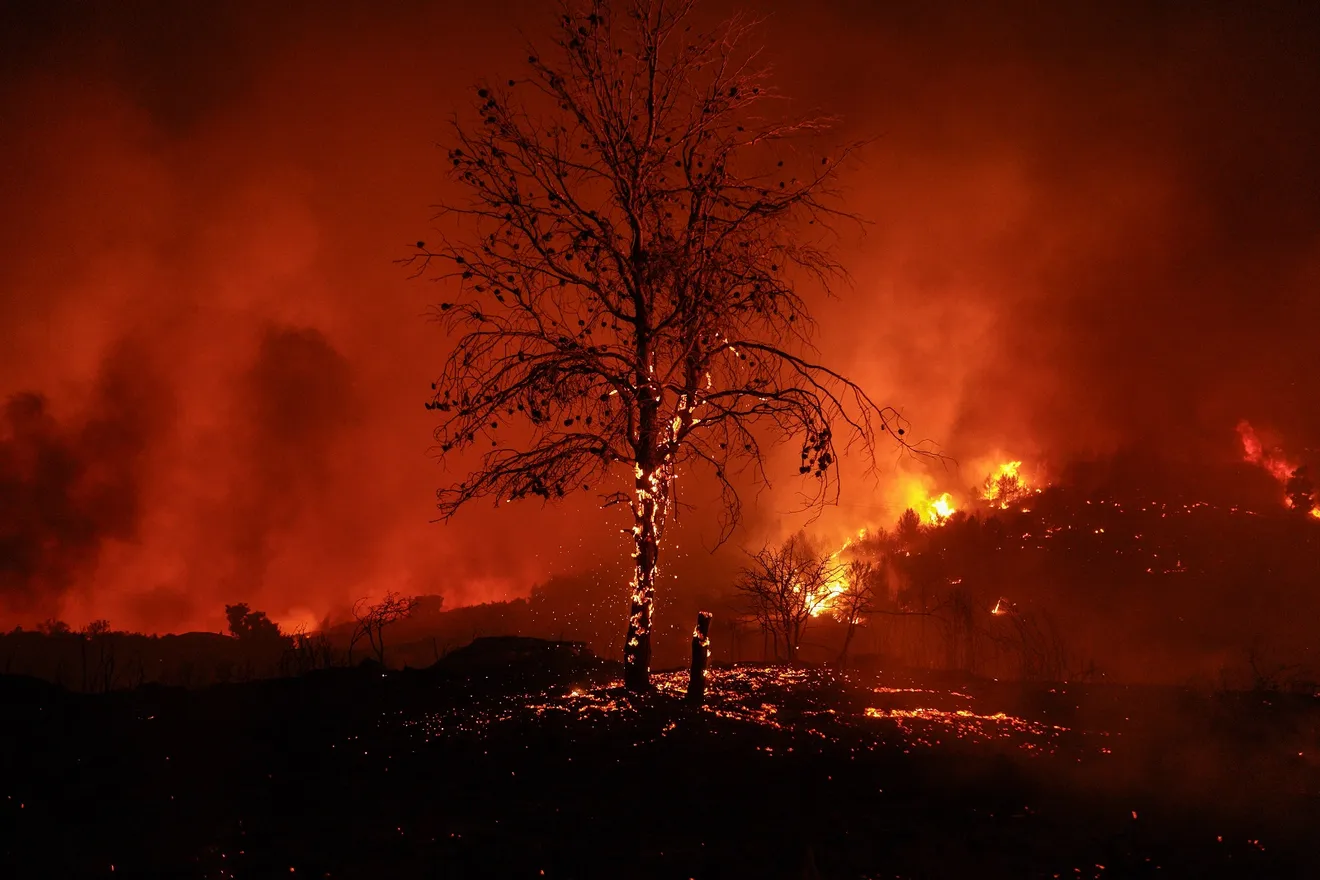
pixel 1093 229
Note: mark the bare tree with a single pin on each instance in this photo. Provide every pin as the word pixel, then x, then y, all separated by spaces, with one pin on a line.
pixel 372 620
pixel 308 651
pixel 98 635
pixel 863 581
pixel 786 586
pixel 627 298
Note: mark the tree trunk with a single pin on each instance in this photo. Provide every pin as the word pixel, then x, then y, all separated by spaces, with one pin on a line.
pixel 792 638
pixel 696 691
pixel 637 647
pixel 847 642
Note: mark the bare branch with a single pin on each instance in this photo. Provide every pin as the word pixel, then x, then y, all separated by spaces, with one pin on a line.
pixel 626 300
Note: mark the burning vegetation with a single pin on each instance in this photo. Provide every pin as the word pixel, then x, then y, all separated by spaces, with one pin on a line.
pixel 1298 490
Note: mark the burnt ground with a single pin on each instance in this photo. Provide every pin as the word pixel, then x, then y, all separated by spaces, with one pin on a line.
pixel 535 768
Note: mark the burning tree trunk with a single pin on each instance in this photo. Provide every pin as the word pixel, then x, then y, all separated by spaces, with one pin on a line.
pixel 637 649
pixel 700 654
pixel 650 493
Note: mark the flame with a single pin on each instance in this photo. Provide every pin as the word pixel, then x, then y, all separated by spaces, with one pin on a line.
pixel 917 492
pixel 1254 452
pixel 1006 485
pixel 1279 467
pixel 837 585
pixel 939 509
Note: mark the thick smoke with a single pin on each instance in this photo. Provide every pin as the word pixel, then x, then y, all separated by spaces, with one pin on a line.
pixel 1093 231
pixel 70 486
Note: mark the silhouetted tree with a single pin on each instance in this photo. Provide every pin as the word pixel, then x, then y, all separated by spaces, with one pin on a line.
pixel 627 294
pixel 865 582
pixel 1300 490
pixel 372 620
pixel 908 529
pixel 250 626
pixel 785 587
pixel 1004 489
pixel 96 649
pixel 307 651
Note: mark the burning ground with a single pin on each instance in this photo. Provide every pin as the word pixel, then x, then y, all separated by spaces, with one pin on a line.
pixel 507 759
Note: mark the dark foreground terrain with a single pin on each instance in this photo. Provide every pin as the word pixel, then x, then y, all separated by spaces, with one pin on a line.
pixel 526 761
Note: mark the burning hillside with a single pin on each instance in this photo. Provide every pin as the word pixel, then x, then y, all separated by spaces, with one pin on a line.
pixel 1020 576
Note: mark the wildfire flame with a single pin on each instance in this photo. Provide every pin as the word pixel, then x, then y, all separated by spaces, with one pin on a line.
pixel 1273 461
pixel 1254 452
pixel 1006 485
pixel 837 585
pixel 940 509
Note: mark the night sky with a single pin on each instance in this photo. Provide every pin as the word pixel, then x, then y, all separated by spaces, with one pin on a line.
pixel 1093 229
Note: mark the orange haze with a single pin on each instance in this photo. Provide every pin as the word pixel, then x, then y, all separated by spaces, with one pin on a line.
pixel 1094 230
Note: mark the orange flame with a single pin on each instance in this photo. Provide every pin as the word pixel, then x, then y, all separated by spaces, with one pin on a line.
pixel 1006 485
pixel 829 593
pixel 1254 452
pixel 1279 467
pixel 939 509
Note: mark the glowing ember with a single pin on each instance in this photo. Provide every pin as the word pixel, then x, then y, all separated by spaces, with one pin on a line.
pixel 819 705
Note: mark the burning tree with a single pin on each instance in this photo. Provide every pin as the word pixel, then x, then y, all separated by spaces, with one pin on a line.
pixel 1005 487
pixel 627 299
pixel 786 586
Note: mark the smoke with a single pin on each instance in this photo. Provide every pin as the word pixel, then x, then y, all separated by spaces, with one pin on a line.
pixel 1091 232
pixel 68 487
pixel 1088 231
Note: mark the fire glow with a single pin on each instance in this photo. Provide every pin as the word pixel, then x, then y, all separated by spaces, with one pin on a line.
pixel 1298 491
pixel 824 706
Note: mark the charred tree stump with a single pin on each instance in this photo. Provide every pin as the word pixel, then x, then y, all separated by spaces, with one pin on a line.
pixel 696 691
